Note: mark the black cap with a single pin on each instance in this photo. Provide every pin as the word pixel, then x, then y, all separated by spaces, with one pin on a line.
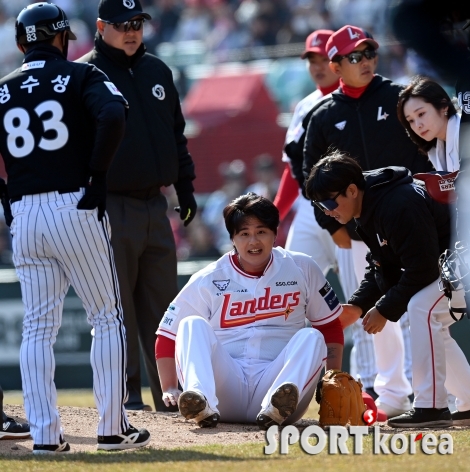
pixel 119 11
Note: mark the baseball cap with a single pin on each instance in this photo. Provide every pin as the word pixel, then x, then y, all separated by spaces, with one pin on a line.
pixel 346 39
pixel 119 11
pixel 316 42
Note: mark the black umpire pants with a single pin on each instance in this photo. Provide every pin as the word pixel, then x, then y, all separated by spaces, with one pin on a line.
pixel 145 255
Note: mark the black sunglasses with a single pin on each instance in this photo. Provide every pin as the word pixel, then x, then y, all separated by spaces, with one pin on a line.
pixel 330 204
pixel 136 25
pixel 356 56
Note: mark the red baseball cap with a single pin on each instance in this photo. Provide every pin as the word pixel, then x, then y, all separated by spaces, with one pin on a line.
pixel 316 42
pixel 346 39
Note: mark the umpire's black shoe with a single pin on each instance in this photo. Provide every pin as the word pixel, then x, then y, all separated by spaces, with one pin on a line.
pixel 461 418
pixel 63 447
pixel 423 418
pixel 193 405
pixel 11 429
pixel 283 403
pixel 132 438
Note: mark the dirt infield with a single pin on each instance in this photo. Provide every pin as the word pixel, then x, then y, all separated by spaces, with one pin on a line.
pixel 168 430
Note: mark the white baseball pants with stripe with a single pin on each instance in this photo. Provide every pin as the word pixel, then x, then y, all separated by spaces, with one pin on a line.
pixel 391 384
pixel 439 365
pixel 239 388
pixel 55 246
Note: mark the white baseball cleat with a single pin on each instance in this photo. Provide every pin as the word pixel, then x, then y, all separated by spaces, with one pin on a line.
pixel 193 405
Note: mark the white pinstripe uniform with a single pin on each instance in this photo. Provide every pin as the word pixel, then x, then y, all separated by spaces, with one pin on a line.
pixel 305 235
pixel 239 337
pixel 55 245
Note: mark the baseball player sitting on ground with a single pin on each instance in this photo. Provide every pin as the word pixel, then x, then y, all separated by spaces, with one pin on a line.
pixel 61 125
pixel 405 231
pixel 241 353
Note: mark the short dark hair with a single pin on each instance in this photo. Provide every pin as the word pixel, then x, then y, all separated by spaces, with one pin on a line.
pixel 238 211
pixel 334 173
pixel 431 92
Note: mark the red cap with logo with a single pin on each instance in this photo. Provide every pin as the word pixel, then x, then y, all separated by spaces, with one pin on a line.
pixel 316 42
pixel 346 39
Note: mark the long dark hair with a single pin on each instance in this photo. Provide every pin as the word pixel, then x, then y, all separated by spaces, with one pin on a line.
pixel 431 92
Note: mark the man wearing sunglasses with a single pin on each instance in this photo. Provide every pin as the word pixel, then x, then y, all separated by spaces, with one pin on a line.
pixel 153 154
pixel 406 231
pixel 360 119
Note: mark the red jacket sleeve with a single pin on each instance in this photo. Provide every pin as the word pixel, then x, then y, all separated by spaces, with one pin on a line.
pixel 287 193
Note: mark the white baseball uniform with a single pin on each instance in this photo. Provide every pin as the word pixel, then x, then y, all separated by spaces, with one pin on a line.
pixel 56 245
pixel 239 337
pixel 305 235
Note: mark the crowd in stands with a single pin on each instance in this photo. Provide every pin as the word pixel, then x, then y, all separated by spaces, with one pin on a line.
pixel 220 26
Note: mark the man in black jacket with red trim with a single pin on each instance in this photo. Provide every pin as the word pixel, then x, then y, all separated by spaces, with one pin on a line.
pixel 406 231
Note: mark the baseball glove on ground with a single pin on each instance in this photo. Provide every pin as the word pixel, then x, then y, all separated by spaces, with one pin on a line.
pixel 340 398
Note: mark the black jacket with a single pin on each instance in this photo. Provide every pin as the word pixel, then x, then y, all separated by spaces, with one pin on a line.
pixel 406 231
pixel 60 121
pixel 367 128
pixel 154 150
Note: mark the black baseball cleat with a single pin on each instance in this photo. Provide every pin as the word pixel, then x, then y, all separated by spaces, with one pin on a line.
pixel 461 418
pixel 422 418
pixel 130 439
pixel 63 447
pixel 283 403
pixel 193 405
pixel 370 391
pixel 11 429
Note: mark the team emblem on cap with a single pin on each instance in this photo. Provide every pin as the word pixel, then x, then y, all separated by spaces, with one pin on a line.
pixel 158 91
pixel 128 4
pixel 316 41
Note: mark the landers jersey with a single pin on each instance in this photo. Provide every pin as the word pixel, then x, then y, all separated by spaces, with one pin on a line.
pixel 255 317
pixel 48 111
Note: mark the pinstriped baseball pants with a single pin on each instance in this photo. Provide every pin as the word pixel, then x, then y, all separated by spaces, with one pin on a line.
pixel 55 246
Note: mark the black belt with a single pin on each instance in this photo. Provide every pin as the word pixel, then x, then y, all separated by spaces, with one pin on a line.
pixel 69 190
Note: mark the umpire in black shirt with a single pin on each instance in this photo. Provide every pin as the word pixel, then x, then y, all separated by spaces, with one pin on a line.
pixel 152 155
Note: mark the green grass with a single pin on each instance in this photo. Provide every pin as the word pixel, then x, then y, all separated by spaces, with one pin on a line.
pixel 232 458
pixel 245 457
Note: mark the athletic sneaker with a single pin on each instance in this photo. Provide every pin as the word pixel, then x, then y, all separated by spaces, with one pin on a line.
pixel 423 418
pixel 132 438
pixel 193 405
pixel 461 418
pixel 283 403
pixel 11 429
pixel 63 447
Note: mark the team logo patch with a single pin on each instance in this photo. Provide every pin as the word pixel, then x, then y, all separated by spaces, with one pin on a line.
pixel 332 300
pixel 129 4
pixel 332 52
pixel 33 65
pixel 418 189
pixel 340 125
pixel 158 91
pixel 325 289
pixel 221 284
pixel 380 115
pixel 112 88
pixel 172 308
